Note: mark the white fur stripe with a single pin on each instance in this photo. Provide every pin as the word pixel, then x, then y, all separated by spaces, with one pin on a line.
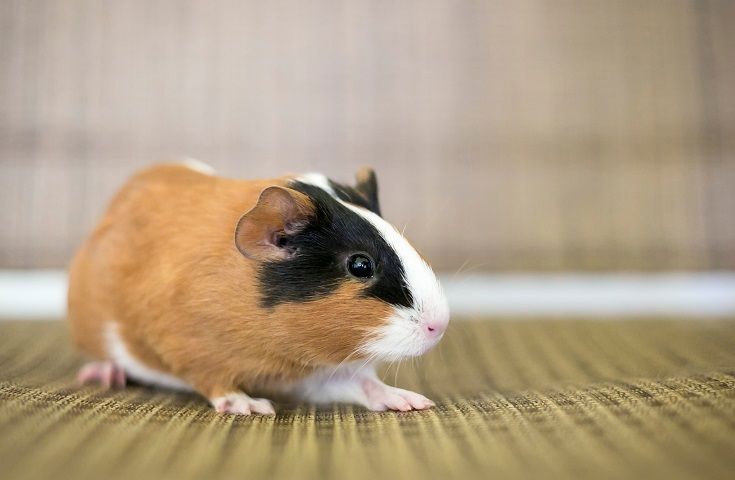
pixel 198 166
pixel 119 354
pixel 422 283
pixel 318 180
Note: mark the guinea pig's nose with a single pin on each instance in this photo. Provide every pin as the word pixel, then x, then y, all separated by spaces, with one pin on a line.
pixel 435 328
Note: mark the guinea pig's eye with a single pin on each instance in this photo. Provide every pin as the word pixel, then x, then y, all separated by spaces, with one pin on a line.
pixel 281 241
pixel 360 266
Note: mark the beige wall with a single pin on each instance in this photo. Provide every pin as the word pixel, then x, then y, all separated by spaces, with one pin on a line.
pixel 507 134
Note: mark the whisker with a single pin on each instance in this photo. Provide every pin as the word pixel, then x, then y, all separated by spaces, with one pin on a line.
pixel 398 367
pixel 475 267
pixel 387 370
pixel 369 359
pixel 459 270
pixel 334 371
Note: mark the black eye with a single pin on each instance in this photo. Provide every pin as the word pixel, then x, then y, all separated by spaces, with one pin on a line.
pixel 360 266
pixel 281 241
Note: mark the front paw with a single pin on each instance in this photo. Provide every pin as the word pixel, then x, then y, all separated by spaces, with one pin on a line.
pixel 383 397
pixel 241 404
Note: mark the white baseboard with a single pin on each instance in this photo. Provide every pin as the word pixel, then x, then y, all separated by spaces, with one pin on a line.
pixel 32 294
pixel 594 295
pixel 42 294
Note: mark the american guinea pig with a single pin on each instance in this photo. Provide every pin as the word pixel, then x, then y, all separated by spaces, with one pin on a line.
pixel 289 286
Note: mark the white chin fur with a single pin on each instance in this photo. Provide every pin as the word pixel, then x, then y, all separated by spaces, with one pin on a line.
pixel 401 337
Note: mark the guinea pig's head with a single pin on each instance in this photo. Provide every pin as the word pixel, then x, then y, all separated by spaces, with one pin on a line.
pixel 335 277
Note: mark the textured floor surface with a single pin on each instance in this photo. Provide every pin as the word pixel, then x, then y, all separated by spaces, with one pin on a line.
pixel 544 399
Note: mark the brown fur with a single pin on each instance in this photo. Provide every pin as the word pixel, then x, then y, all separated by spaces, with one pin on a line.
pixel 163 265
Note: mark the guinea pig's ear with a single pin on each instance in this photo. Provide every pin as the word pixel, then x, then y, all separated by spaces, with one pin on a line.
pixel 367 185
pixel 262 233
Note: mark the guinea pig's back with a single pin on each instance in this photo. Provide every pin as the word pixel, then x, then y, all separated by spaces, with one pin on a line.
pixel 160 231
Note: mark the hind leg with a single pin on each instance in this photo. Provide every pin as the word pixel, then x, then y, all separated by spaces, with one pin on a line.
pixel 106 373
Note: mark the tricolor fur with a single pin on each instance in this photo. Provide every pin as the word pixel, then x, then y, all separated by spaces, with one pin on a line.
pixel 231 285
pixel 404 281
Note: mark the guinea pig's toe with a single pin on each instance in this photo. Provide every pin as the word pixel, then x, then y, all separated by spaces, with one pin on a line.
pixel 417 401
pixel 106 373
pixel 262 406
pixel 241 404
pixel 389 401
pixel 384 397
pixel 377 406
pixel 398 403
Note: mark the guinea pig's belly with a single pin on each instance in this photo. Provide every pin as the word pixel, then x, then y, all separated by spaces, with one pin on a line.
pixel 327 384
pixel 134 368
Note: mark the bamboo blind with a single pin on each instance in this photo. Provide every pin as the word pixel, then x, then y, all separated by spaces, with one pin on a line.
pixel 507 135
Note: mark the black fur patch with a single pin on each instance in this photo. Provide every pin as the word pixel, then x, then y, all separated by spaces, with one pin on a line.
pixel 354 196
pixel 322 248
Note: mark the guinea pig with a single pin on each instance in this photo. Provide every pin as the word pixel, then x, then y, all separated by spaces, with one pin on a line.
pixel 290 286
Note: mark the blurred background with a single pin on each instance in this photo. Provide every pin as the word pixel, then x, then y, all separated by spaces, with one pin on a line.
pixel 509 136
pixel 565 160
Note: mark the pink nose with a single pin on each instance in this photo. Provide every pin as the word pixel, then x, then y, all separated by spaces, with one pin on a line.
pixel 435 328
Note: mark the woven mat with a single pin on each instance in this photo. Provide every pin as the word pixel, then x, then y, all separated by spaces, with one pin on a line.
pixel 517 399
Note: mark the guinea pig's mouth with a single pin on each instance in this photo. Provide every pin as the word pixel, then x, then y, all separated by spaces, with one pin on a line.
pixel 403 336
